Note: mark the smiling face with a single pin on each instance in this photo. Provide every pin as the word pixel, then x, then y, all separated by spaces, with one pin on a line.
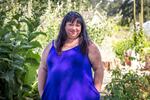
pixel 73 29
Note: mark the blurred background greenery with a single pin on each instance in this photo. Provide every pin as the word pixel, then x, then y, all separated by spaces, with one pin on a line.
pixel 26 27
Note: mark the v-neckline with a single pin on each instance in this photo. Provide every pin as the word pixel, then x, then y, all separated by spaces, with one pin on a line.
pixel 70 48
pixel 67 49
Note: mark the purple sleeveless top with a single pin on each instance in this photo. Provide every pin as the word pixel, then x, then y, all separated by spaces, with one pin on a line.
pixel 69 76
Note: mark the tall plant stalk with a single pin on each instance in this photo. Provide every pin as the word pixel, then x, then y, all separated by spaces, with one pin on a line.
pixel 134 14
pixel 141 15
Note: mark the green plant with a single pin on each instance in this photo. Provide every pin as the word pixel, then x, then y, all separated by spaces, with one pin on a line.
pixel 18 50
pixel 121 46
pixel 128 86
pixel 33 94
pixel 96 34
pixel 137 42
pixel 140 42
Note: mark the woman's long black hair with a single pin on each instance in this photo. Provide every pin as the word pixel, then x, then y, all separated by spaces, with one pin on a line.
pixel 62 36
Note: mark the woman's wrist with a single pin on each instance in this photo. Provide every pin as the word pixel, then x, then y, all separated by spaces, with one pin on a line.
pixel 41 93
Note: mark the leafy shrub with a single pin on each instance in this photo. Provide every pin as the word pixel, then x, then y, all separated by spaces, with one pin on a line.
pixel 33 94
pixel 121 46
pixel 128 86
pixel 137 42
pixel 18 53
pixel 96 34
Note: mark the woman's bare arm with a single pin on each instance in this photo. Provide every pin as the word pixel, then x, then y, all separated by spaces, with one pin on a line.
pixel 42 71
pixel 95 58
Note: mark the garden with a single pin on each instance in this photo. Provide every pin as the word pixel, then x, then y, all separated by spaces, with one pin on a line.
pixel 120 28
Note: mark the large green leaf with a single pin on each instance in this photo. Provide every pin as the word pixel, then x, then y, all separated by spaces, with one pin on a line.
pixel 6 59
pixel 17 67
pixel 18 57
pixel 26 47
pixel 35 44
pixel 35 34
pixel 28 21
pixel 8 76
pixel 5 44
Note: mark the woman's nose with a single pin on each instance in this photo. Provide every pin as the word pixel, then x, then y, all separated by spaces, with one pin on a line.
pixel 74 27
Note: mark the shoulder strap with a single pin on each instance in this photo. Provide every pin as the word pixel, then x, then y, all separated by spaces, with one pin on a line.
pixel 52 42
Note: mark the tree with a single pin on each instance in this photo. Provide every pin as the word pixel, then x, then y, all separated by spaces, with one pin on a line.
pixel 125 7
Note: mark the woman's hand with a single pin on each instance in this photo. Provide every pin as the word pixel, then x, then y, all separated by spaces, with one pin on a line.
pixel 95 58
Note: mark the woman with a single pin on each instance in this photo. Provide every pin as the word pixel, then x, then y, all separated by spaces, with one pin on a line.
pixel 65 68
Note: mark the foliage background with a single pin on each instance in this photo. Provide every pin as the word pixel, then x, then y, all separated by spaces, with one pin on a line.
pixel 27 26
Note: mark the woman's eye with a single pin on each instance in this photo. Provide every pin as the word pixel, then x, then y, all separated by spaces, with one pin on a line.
pixel 70 24
pixel 78 25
